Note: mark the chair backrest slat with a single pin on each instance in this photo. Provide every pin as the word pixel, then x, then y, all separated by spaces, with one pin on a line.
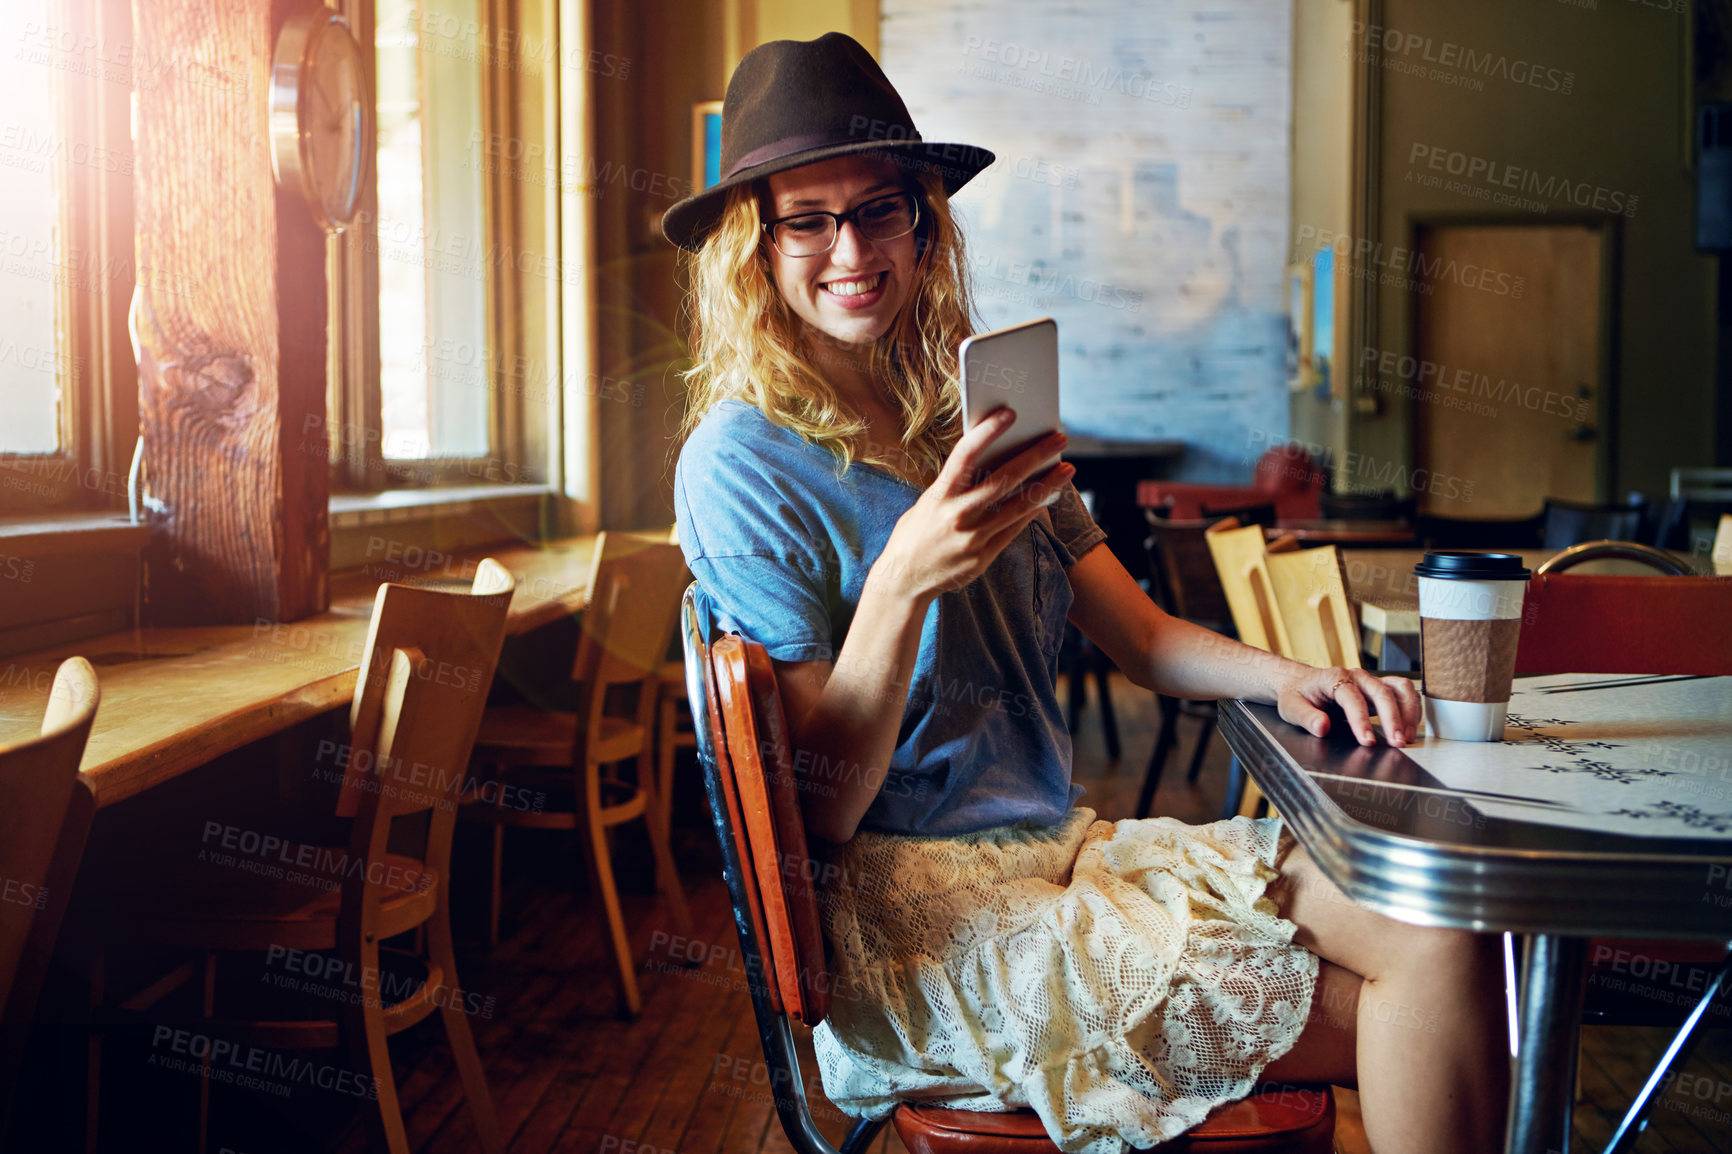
pixel 730 817
pixel 37 779
pixel 1239 554
pixel 1311 595
pixel 458 635
pixel 781 1057
pixel 756 732
pixel 1180 561
pixel 634 596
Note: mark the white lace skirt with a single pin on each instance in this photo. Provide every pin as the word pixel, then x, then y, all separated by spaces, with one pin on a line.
pixel 1122 979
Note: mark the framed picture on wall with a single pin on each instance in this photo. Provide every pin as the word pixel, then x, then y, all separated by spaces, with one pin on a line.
pixel 1299 326
pixel 1331 290
pixel 706 144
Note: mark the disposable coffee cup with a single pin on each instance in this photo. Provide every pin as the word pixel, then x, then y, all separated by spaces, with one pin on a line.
pixel 1470 616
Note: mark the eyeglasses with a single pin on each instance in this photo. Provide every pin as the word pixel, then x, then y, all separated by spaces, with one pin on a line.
pixel 814 233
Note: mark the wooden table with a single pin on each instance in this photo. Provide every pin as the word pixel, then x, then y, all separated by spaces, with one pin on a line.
pixel 1112 470
pixel 1328 531
pixel 1403 832
pixel 173 698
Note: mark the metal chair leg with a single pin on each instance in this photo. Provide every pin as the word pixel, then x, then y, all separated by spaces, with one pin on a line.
pixel 1109 724
pixel 1235 788
pixel 1635 1119
pixel 861 1135
pixel 1169 708
pixel 1203 735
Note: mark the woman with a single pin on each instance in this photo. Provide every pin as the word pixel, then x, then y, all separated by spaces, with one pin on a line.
pixel 995 945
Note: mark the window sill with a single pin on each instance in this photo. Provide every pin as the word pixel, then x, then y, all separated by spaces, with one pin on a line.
pixel 58 533
pixel 354 510
pixel 427 524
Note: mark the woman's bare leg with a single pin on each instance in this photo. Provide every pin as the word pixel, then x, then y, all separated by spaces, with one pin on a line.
pixel 1327 1049
pixel 1430 1037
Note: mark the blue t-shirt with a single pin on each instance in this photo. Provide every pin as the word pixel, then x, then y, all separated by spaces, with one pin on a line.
pixel 781 545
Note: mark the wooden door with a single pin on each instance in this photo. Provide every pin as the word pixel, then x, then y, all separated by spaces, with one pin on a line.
pixel 1506 387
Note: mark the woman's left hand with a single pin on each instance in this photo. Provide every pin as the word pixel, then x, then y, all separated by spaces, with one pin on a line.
pixel 1359 694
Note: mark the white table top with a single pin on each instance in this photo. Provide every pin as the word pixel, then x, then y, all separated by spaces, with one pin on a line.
pixel 1642 756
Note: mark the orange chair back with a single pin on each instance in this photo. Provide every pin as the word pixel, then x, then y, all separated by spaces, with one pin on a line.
pixel 1582 623
pixel 757 772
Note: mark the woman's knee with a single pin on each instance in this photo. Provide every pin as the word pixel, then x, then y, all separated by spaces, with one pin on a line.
pixel 1373 945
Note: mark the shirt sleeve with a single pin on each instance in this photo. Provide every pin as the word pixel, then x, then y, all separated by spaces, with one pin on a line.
pixel 757 563
pixel 1073 526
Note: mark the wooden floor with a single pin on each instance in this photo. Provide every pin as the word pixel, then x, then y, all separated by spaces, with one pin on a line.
pixel 568 1074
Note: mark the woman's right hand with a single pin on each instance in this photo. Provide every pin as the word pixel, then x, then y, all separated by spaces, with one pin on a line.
pixel 962 522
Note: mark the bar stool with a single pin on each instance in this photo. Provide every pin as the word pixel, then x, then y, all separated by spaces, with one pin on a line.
pixel 429 659
pixel 39 830
pixel 634 595
pixel 749 775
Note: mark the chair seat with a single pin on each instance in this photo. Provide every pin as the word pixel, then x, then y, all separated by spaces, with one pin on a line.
pixel 215 905
pixel 672 676
pixel 524 735
pixel 1294 1120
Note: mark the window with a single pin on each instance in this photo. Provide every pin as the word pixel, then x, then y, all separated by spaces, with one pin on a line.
pixel 434 351
pixel 460 382
pixel 67 385
pixel 32 242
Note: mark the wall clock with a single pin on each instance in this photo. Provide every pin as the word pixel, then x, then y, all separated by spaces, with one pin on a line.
pixel 321 116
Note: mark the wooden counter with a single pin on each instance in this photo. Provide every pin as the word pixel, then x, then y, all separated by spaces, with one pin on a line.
pixel 173 698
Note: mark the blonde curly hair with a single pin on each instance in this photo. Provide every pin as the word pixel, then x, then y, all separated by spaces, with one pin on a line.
pixel 747 344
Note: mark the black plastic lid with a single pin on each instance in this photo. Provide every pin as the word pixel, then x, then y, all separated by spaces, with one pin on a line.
pixel 1452 565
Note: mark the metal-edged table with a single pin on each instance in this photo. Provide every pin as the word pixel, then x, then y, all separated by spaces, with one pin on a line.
pixel 1399 839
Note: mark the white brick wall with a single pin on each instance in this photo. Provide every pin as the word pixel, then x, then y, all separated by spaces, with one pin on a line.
pixel 1140 197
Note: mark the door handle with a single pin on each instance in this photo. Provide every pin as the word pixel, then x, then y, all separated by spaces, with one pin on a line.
pixel 1584 433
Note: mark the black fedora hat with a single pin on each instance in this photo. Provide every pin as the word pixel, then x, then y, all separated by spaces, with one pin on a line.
pixel 794 102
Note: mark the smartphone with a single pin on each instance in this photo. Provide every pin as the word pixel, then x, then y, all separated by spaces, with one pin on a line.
pixel 1018 367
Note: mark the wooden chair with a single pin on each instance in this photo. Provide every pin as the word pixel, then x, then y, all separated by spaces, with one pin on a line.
pixel 1382 505
pixel 1078 660
pixel 634 598
pixel 1310 592
pixel 1260 514
pixel 1239 554
pixel 674 730
pixel 39 829
pixel 1571 523
pixel 748 772
pixel 1185 585
pixel 430 658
